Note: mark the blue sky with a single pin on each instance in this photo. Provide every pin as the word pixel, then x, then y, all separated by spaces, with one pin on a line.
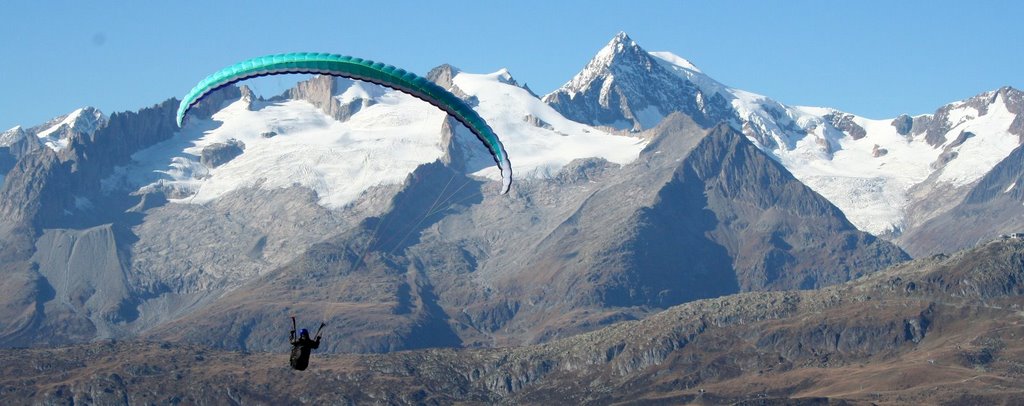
pixel 873 58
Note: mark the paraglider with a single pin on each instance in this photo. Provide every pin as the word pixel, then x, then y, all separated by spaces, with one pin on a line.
pixel 302 345
pixel 360 69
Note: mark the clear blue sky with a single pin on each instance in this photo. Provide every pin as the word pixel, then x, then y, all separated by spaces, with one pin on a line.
pixel 873 58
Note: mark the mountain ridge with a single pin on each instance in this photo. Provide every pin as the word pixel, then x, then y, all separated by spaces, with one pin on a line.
pixel 874 170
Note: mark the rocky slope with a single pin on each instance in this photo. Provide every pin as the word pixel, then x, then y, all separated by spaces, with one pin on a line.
pixel 941 330
pixel 991 205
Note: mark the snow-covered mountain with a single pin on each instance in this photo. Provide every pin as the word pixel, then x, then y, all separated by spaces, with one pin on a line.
pixel 874 170
pixel 55 134
pixel 347 196
pixel 293 142
pixel 624 87
pixel 866 167
pixel 641 184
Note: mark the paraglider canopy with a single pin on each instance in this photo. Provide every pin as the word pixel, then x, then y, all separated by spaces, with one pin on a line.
pixel 360 69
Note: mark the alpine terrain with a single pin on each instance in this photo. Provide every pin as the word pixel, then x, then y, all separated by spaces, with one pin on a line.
pixel 667 238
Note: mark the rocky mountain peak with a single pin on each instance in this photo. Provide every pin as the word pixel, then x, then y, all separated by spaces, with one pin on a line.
pixel 11 136
pixel 622 46
pixel 1014 99
pixel 247 95
pixel 57 133
pixel 621 57
pixel 625 87
pixel 443 75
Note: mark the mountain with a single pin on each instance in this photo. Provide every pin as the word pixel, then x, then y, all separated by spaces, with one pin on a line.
pixel 887 176
pixel 939 330
pixel 56 134
pixel 624 87
pixel 707 215
pixel 668 239
pixel 14 144
pixel 248 214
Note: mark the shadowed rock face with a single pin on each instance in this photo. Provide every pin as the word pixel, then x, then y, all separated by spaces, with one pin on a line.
pixel 15 144
pixel 903 124
pixel 220 153
pixel 938 330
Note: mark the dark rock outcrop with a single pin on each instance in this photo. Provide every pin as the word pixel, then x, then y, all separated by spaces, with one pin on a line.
pixel 220 153
pixel 878 151
pixel 844 123
pixel 904 124
pixel 320 91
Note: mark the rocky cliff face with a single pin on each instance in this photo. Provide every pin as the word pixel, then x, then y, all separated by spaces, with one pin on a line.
pixel 942 329
pixel 53 189
pixel 443 75
pixel 322 89
pixel 15 144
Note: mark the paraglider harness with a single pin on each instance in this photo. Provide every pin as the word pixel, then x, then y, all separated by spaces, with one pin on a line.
pixel 302 345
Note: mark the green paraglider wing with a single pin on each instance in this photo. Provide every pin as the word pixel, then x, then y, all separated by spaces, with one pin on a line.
pixel 361 69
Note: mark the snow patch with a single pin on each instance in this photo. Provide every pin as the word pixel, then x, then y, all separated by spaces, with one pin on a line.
pixel 536 151
pixel 9 137
pixel 359 90
pixel 676 60
pixel 379 145
pixel 961 114
pixel 991 143
pixel 68 120
pixel 1010 188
